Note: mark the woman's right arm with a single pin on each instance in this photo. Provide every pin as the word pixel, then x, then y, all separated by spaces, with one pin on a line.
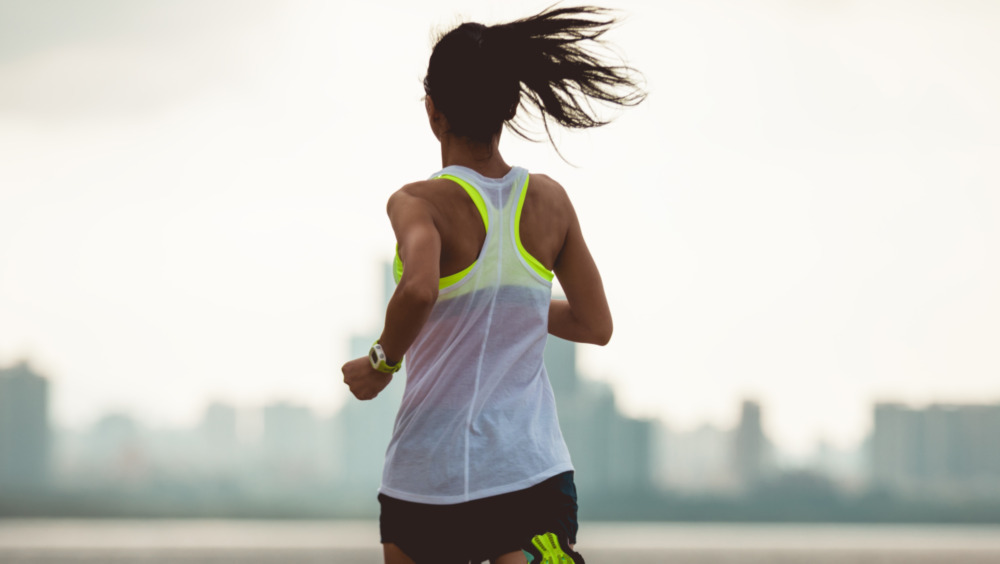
pixel 584 316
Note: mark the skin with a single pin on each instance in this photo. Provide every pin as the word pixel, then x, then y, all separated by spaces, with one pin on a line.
pixel 440 232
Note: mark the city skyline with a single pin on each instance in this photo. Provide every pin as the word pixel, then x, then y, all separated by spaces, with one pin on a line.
pixel 935 463
pixel 333 460
pixel 245 421
pixel 802 212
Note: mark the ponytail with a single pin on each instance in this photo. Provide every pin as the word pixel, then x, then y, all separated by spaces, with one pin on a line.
pixel 478 76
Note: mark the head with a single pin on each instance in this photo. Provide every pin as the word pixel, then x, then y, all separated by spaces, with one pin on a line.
pixel 470 81
pixel 478 76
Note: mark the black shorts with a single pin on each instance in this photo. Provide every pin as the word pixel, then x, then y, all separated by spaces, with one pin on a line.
pixel 485 528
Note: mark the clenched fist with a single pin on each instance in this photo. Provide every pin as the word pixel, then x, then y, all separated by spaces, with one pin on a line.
pixel 364 381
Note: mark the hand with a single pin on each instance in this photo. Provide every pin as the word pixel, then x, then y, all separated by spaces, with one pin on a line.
pixel 364 381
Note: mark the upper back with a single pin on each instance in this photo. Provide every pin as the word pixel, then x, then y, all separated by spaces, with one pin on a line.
pixel 544 222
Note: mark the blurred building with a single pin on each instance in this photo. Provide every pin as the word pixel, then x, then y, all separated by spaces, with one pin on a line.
pixel 218 427
pixel 695 462
pixel 751 449
pixel 710 460
pixel 846 467
pixel 612 453
pixel 292 445
pixel 942 450
pixel 116 452
pixel 25 434
pixel 218 440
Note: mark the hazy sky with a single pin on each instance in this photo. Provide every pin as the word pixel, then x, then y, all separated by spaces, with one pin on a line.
pixel 804 210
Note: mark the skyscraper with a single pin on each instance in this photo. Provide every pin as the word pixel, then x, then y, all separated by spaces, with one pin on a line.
pixel 750 445
pixel 696 461
pixel 24 428
pixel 611 452
pixel 218 427
pixel 218 440
pixel 940 450
pixel 292 445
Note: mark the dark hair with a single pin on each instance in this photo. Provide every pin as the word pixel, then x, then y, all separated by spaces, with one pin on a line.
pixel 478 75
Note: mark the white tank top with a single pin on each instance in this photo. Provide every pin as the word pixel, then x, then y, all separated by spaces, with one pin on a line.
pixel 478 417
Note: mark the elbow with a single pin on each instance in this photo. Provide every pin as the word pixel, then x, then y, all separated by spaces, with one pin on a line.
pixel 420 295
pixel 602 336
pixel 599 333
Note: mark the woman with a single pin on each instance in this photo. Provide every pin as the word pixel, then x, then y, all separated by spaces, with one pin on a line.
pixel 477 468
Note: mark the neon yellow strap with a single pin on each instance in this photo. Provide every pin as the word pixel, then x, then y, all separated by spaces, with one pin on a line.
pixel 397 266
pixel 376 357
pixel 397 263
pixel 397 272
pixel 535 265
pixel 449 280
pixel 474 194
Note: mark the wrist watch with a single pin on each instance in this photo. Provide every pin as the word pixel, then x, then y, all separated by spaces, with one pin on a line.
pixel 376 356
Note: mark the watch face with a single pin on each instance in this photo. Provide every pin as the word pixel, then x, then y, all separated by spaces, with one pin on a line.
pixel 373 356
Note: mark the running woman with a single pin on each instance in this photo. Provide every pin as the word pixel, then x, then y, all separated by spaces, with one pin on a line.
pixel 477 468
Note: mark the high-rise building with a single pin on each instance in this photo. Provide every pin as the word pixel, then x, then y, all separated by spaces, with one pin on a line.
pixel 25 434
pixel 893 432
pixel 292 447
pixel 117 451
pixel 696 461
pixel 750 445
pixel 611 452
pixel 218 426
pixel 939 450
pixel 218 440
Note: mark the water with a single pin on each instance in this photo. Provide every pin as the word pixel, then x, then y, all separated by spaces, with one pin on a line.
pixel 356 542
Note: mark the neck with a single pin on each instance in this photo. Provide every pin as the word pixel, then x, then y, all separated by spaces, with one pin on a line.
pixel 483 158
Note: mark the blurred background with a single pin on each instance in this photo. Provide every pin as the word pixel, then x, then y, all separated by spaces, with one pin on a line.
pixel 798 224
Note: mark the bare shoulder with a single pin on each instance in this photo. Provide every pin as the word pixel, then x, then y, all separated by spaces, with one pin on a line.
pixel 408 204
pixel 549 197
pixel 419 189
pixel 425 188
pixel 545 185
pixel 420 193
pixel 423 192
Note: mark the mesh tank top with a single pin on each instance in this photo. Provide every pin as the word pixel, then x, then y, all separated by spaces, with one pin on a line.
pixel 478 417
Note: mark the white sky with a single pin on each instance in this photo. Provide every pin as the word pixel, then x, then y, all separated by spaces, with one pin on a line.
pixel 803 211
